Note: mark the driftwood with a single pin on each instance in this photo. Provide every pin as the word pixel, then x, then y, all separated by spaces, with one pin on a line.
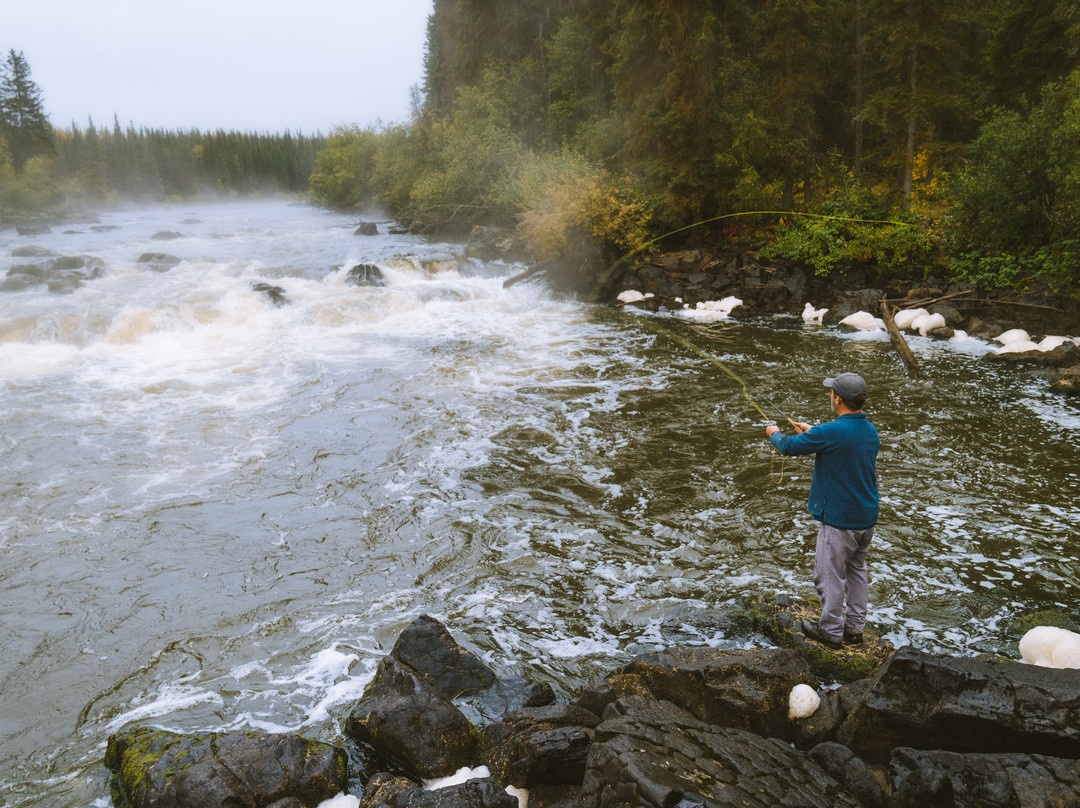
pixel 528 273
pixel 919 303
pixel 899 342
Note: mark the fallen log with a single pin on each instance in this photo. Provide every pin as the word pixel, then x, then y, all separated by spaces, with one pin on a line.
pixel 899 343
pixel 528 273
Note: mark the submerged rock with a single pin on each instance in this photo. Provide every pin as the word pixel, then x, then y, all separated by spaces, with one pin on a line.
pixel 168 770
pixel 367 229
pixel 365 275
pixel 158 262
pixel 276 294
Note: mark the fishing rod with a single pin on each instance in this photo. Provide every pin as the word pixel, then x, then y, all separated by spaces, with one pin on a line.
pixel 738 380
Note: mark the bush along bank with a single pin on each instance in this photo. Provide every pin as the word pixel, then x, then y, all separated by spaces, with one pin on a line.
pixel 676 726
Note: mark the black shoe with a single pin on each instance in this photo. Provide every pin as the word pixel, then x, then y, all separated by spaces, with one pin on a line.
pixel 814 632
pixel 852 639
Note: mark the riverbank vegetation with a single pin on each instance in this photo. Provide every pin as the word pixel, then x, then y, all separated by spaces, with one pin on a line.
pixel 49 170
pixel 897 134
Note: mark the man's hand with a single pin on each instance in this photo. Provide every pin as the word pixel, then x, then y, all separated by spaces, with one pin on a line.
pixel 799 426
pixel 771 429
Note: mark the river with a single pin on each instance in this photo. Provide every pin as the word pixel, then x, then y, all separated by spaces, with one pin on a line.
pixel 219 513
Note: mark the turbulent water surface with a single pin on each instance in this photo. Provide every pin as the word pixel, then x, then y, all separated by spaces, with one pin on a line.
pixel 218 513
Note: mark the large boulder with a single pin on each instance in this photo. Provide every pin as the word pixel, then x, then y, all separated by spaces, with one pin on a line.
pixel 745 689
pixel 428 648
pixel 404 718
pixel 540 746
pixel 654 755
pixel 934 778
pixel 927 701
pixel 167 770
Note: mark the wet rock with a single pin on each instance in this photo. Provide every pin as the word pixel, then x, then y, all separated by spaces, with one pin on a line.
pixel 32 229
pixel 484 242
pixel 746 689
pixel 387 791
pixel 367 229
pixel 167 770
pixel 1063 356
pixel 1067 381
pixel 822 725
pixel 32 251
pixel 988 781
pixel 276 294
pixel 964 705
pixel 365 275
pixel 427 647
pixel 158 262
pixel 406 719
pixel 848 303
pixel 780 619
pixel 596 696
pixel 104 228
pixel 166 235
pixel 509 693
pixel 67 262
pixel 64 282
pixel 539 745
pixel 953 318
pixel 652 754
pixel 941 332
pixel 851 772
pixel 984 329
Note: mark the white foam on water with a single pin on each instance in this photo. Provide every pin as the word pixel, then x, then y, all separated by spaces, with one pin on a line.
pixel 170 698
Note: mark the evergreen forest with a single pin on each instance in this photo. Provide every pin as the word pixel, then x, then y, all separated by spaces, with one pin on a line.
pixel 897 134
pixel 46 170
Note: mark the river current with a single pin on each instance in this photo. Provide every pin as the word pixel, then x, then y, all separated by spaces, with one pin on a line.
pixel 218 513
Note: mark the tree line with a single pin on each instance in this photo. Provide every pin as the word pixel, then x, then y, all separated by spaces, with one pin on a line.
pixel 620 121
pixel 45 169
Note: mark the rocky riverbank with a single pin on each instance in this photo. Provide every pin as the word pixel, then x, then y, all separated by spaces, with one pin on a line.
pixel 678 726
pixel 693 279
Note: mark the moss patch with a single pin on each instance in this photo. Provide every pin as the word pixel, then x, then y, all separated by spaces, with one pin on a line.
pixel 780 618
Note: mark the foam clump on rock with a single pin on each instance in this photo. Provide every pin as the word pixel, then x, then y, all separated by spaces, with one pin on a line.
pixel 1051 647
pixel 803 702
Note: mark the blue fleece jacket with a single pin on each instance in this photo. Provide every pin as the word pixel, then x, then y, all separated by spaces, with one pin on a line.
pixel 843 490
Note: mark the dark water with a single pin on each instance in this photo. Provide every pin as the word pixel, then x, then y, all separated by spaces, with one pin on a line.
pixel 218 513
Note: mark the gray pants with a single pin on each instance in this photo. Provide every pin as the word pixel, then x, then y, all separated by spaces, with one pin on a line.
pixel 839 573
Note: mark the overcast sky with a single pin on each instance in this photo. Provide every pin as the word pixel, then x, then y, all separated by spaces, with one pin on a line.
pixel 247 65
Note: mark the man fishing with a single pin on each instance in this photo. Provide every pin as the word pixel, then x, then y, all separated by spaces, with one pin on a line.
pixel 844 499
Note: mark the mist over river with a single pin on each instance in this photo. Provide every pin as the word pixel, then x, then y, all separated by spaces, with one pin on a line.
pixel 217 513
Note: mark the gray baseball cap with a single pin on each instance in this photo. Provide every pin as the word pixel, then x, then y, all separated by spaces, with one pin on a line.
pixel 847 385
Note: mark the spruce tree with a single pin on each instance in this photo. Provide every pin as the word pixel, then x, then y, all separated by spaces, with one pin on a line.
pixel 23 122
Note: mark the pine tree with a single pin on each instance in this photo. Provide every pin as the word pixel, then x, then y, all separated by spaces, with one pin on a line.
pixel 23 122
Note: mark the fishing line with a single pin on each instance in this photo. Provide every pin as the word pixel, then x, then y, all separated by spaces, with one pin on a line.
pixel 664 332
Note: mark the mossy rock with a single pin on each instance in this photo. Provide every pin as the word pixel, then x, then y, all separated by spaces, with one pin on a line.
pixel 1048 617
pixel 780 618
pixel 157 767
